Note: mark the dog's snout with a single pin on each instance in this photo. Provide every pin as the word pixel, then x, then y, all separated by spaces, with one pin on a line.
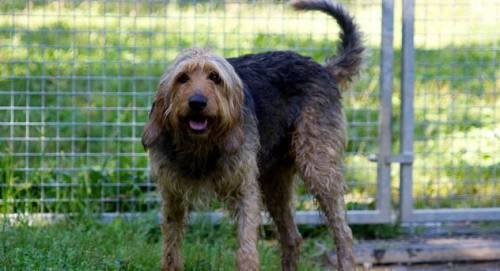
pixel 197 102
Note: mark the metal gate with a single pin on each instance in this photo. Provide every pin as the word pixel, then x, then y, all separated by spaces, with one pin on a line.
pixel 408 211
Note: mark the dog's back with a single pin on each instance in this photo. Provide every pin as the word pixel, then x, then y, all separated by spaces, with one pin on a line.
pixel 281 82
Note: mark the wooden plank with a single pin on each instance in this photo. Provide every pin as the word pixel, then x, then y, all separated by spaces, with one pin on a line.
pixel 425 251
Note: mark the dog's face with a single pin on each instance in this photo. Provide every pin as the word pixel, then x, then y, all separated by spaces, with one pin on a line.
pixel 199 99
pixel 195 99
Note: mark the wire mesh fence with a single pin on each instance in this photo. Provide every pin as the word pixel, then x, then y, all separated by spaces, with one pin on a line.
pixel 457 114
pixel 77 80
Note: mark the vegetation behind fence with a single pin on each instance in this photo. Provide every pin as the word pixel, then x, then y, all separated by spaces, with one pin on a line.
pixel 77 79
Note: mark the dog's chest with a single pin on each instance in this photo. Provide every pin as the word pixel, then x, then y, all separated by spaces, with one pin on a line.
pixel 197 167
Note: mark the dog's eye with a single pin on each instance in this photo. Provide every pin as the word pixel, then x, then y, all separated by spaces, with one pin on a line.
pixel 214 77
pixel 183 78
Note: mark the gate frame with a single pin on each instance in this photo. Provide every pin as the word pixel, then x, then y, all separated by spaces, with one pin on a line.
pixel 383 210
pixel 408 213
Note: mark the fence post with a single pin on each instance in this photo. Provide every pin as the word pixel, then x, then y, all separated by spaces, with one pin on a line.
pixel 385 124
pixel 407 116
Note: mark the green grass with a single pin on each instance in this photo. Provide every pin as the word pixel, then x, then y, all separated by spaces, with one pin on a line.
pixel 78 245
pixel 100 72
pixel 84 244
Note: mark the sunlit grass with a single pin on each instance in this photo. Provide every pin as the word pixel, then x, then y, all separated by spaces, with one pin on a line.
pixel 223 25
pixel 85 244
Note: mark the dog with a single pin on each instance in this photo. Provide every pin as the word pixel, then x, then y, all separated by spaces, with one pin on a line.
pixel 241 128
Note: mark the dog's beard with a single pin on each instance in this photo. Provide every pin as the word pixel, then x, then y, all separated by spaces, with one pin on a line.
pixel 199 136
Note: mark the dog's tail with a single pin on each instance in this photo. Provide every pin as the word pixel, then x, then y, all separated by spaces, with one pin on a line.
pixel 347 63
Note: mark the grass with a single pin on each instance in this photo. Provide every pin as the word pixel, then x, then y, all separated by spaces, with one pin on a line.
pixel 77 78
pixel 84 244
pixel 78 245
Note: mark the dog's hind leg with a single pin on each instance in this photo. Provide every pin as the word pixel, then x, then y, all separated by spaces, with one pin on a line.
pixel 277 189
pixel 318 144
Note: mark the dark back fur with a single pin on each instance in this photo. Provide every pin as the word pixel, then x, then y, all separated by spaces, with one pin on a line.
pixel 280 83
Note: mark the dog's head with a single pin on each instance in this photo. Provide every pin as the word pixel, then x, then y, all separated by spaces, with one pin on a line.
pixel 198 101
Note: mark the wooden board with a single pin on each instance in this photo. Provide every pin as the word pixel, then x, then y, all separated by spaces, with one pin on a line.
pixel 425 250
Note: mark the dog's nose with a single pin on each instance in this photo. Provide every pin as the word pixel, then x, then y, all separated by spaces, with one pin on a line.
pixel 197 102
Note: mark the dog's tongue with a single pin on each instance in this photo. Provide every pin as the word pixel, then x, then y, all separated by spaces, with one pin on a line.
pixel 198 125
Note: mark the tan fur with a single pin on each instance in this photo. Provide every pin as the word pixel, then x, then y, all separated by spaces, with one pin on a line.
pixel 318 143
pixel 235 182
pixel 224 102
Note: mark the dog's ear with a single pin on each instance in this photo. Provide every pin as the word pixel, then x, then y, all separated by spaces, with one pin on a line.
pixel 153 128
pixel 233 140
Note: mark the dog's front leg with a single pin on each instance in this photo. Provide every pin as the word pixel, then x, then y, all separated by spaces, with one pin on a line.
pixel 174 213
pixel 248 220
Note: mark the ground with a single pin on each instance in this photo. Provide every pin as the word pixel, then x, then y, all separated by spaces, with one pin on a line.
pixel 462 266
pixel 82 243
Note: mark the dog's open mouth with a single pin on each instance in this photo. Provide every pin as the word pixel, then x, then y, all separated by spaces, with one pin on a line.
pixel 198 124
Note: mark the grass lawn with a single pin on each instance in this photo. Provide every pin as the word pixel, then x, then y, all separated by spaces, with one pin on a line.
pixel 84 244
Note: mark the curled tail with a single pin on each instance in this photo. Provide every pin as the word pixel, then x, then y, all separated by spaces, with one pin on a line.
pixel 347 63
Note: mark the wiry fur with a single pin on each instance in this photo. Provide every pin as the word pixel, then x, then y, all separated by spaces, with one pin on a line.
pixel 270 116
pixel 346 64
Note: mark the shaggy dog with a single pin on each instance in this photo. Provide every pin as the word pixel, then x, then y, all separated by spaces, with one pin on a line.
pixel 241 128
